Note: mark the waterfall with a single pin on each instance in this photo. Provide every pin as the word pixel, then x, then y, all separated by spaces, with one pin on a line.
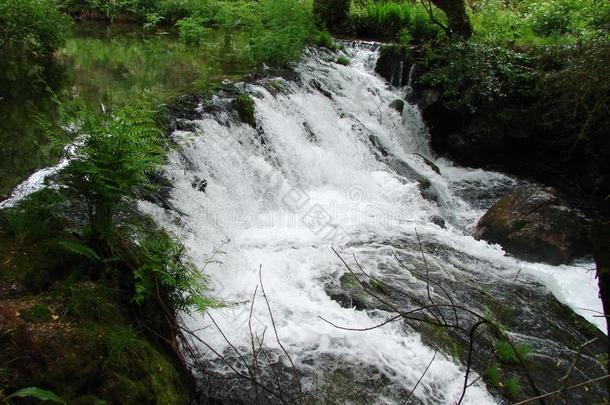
pixel 331 165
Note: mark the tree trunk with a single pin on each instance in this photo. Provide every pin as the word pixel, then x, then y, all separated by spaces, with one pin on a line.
pixel 459 23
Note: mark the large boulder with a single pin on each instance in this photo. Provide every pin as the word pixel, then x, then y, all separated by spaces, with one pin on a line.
pixel 534 223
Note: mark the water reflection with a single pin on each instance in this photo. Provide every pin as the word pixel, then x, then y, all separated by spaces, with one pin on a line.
pixel 103 65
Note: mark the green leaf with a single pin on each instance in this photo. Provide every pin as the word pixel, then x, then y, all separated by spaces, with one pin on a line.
pixel 38 393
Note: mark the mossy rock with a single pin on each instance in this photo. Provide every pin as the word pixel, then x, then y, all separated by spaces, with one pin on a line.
pixel 244 106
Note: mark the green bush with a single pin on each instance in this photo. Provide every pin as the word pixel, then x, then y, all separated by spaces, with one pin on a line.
pixel 331 14
pixel 475 76
pixel 30 33
pixel 112 168
pixel 284 29
pixel 574 88
pixel 403 21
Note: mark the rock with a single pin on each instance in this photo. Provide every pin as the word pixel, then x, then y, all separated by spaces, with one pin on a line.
pixel 394 64
pixel 429 163
pixel 398 105
pixel 435 219
pixel 534 223
pixel 311 135
pixel 245 107
pixel 378 145
pixel 199 184
pixel 318 86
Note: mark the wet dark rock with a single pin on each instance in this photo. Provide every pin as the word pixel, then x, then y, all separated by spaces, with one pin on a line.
pixel 427 189
pixel 318 86
pixel 531 316
pixel 199 184
pixel 398 105
pixel 534 223
pixel 394 64
pixel 311 135
pixel 435 219
pixel 185 125
pixel 185 107
pixel 162 195
pixel 378 145
pixel 429 163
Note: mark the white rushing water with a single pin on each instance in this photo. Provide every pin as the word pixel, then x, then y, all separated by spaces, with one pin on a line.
pixel 279 198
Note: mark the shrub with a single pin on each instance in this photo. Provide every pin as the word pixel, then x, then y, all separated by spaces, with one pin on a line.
pixel 164 275
pixel 396 20
pixel 331 14
pixel 284 29
pixel 30 33
pixel 575 88
pixel 475 76
pixel 112 168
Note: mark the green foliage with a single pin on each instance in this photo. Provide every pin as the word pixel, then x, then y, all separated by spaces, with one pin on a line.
pixel 533 22
pixel 574 86
pixel 324 39
pixel 331 14
pixel 192 30
pixel 164 273
pixel 506 354
pixel 37 393
pixel 36 313
pixel 112 167
pixel 513 387
pixel 122 341
pixel 343 60
pixel 33 218
pixel 30 33
pixel 89 301
pixel 78 248
pixel 404 21
pixel 475 76
pixel 285 28
pixel 493 375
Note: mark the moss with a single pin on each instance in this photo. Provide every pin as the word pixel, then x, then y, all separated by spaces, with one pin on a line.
pixel 342 60
pixel 245 109
pixel 36 313
pixel 87 357
pixel 439 338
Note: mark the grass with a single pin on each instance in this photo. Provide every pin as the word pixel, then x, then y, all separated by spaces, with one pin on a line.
pixel 513 387
pixel 506 354
pixel 342 60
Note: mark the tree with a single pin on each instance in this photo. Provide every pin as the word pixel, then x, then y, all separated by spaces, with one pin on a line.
pixel 455 10
pixel 331 14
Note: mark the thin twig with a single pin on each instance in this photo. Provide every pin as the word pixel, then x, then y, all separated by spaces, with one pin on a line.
pixel 420 378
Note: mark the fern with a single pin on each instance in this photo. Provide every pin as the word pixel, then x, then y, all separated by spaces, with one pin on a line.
pixel 80 249
pixel 38 393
